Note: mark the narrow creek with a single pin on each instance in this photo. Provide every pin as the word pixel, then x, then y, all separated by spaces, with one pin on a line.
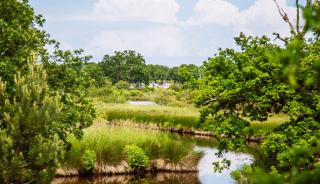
pixel 205 175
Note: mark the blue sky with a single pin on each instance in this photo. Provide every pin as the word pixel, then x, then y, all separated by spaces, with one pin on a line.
pixel 167 32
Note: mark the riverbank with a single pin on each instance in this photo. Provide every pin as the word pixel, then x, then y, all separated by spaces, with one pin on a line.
pixel 166 152
pixel 123 168
pixel 176 118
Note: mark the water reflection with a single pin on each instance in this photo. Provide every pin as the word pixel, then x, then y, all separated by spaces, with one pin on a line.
pixel 206 173
pixel 159 178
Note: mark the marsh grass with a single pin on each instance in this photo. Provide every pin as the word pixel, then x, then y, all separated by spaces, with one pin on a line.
pixel 109 143
pixel 177 117
pixel 271 123
pixel 184 117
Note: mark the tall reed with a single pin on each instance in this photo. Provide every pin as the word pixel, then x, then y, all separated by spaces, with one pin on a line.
pixel 109 142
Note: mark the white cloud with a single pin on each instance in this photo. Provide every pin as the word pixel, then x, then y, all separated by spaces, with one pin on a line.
pixel 260 18
pixel 263 18
pixel 155 31
pixel 167 41
pixel 217 12
pixel 163 11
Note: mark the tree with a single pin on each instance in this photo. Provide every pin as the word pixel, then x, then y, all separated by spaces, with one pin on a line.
pixel 30 146
pixel 96 73
pixel 157 72
pixel 127 66
pixel 18 38
pixel 241 84
pixel 174 75
pixel 36 117
pixel 264 78
pixel 66 78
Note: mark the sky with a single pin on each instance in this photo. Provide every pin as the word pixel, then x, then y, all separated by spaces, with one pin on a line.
pixel 166 32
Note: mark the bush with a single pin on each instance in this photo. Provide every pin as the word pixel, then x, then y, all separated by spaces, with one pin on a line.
pixel 136 157
pixel 89 160
pixel 122 85
pixel 164 96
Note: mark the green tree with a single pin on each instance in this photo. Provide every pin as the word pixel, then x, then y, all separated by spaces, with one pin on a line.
pixel 174 75
pixel 157 72
pixel 66 77
pixel 36 117
pixel 264 78
pixel 30 146
pixel 18 38
pixel 127 66
pixel 96 73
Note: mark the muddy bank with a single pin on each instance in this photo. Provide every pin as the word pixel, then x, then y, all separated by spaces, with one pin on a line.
pixel 123 168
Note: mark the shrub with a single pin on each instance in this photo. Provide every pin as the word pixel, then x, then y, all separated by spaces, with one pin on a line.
pixel 136 157
pixel 88 160
pixel 164 96
pixel 122 85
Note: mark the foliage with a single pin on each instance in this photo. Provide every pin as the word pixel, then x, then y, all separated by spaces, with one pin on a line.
pixel 174 75
pixel 88 160
pixel 127 66
pixel 30 147
pixel 66 77
pixel 242 175
pixel 95 72
pixel 157 73
pixel 263 79
pixel 136 157
pixel 37 110
pixel 122 85
pixel 19 38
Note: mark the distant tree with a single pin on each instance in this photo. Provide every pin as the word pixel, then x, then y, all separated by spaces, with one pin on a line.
pixel 158 72
pixel 174 75
pixel 189 71
pixel 127 65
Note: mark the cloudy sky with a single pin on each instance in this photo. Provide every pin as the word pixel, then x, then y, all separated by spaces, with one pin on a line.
pixel 168 32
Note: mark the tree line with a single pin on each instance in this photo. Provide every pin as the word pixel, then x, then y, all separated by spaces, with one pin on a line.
pixel 131 67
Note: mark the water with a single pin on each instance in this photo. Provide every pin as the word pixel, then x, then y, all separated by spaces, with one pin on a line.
pixel 143 103
pixel 206 174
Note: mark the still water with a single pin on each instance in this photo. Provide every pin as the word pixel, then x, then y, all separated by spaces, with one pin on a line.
pixel 142 103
